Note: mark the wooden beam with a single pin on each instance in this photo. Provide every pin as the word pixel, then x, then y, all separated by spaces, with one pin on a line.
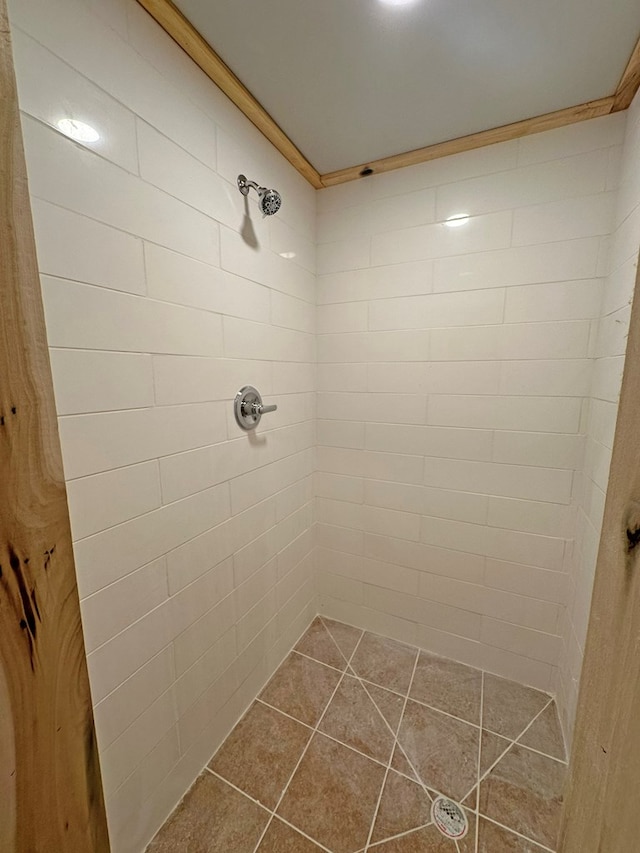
pixel 629 82
pixel 548 121
pixel 600 811
pixel 184 33
pixel 50 788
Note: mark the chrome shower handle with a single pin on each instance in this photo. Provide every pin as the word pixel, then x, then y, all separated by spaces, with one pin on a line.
pixel 262 410
pixel 248 407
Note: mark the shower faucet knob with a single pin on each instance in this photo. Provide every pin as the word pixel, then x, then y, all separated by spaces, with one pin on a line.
pixel 248 407
pixel 262 410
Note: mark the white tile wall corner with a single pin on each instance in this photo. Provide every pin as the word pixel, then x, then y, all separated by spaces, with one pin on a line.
pixel 193 540
pixel 609 338
pixel 455 371
pixel 467 381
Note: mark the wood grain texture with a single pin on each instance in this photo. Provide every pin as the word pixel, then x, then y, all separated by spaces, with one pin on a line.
pixel 190 40
pixel 549 121
pixel 50 788
pixel 601 815
pixel 629 82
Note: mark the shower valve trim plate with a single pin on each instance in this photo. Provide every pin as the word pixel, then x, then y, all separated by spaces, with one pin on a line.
pixel 248 407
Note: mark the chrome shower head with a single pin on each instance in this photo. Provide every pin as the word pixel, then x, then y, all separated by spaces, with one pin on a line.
pixel 269 201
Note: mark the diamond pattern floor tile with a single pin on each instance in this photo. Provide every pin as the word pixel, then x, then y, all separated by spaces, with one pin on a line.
pixel 318 643
pixel 524 792
pixel 404 806
pixel 448 686
pixel 350 763
pixel 281 838
pixel 545 734
pixel 333 795
pixel 261 753
pixel 442 749
pixel 301 688
pixel 385 662
pixel 468 843
pixel 509 707
pixel 212 818
pixel 389 704
pixel 496 839
pixel 493 746
pixel 345 636
pixel 400 763
pixel 420 841
pixel 355 720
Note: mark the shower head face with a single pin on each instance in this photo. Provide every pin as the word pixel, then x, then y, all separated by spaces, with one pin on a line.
pixel 270 202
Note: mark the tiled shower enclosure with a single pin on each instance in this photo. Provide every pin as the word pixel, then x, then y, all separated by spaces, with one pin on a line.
pixel 435 471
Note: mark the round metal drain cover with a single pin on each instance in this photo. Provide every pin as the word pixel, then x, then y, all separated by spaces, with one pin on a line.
pixel 449 818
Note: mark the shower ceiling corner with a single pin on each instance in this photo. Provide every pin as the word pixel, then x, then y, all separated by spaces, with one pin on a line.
pixel 317 78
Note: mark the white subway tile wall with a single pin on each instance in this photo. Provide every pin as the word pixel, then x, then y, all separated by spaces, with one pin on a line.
pixel 163 295
pixel 444 486
pixel 608 346
pixel 454 383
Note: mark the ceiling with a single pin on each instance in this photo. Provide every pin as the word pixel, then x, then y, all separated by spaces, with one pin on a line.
pixel 351 81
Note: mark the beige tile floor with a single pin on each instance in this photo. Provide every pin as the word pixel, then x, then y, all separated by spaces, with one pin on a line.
pixel 352 739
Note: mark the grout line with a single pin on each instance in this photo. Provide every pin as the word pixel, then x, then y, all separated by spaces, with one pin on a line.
pixel 324 734
pixel 397 744
pixel 333 640
pixel 393 748
pixel 271 813
pixel 239 790
pixel 527 727
pixel 446 713
pixel 373 684
pixel 519 834
pixel 488 771
pixel 395 734
pixel 550 701
pixel 315 660
pixel 400 835
pixel 513 743
pixel 284 713
pixel 476 846
pixel 477 842
pixel 543 754
pixel 304 834
pixel 538 751
pixel 304 751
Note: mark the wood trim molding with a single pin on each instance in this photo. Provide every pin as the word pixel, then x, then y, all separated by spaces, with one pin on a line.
pixel 582 112
pixel 185 34
pixel 50 788
pixel 629 82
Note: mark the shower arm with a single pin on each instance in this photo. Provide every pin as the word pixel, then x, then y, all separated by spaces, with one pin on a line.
pixel 244 185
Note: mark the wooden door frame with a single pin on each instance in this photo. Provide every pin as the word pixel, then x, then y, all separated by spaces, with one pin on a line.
pixel 601 814
pixel 50 786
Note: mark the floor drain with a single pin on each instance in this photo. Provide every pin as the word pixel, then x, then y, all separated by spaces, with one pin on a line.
pixel 449 818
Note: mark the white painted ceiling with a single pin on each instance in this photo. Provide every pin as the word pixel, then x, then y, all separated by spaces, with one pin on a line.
pixel 356 80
